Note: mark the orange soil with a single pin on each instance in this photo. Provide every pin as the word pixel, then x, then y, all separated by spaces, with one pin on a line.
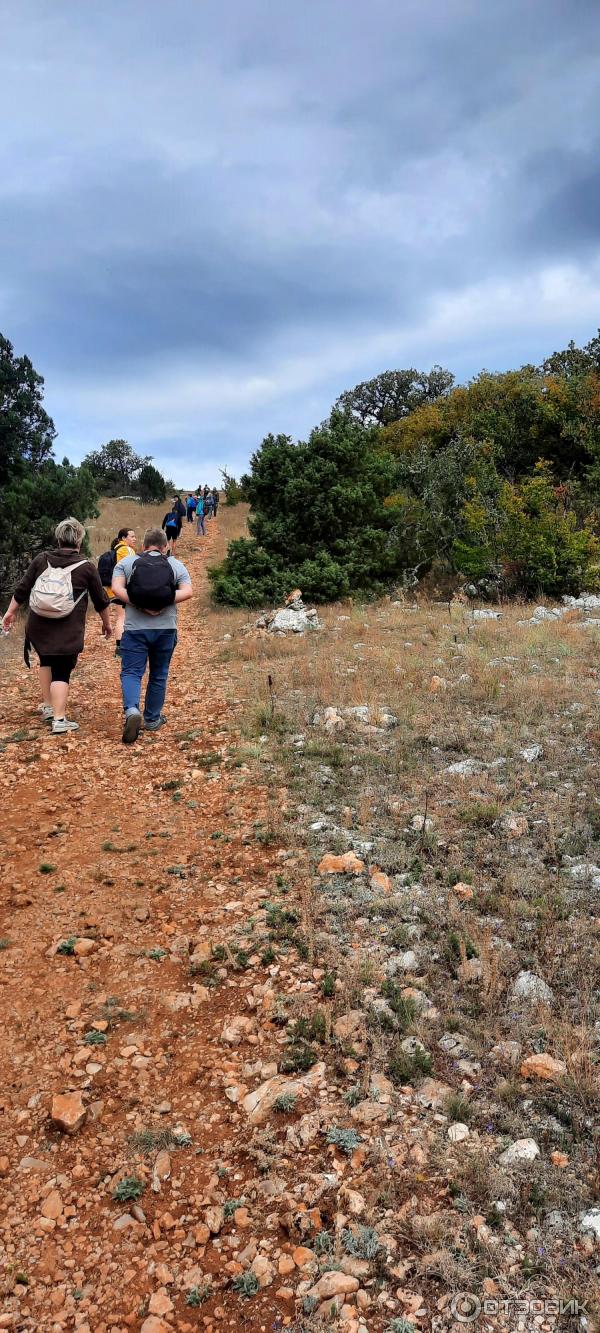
pixel 96 813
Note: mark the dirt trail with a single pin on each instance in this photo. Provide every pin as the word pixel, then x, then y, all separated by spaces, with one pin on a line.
pixel 147 852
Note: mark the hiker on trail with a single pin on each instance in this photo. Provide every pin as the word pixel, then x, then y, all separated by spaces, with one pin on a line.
pixel 190 505
pixel 200 528
pixel 172 527
pixel 209 505
pixel 123 544
pixel 205 493
pixel 179 507
pixel 151 585
pixel 215 496
pixel 57 584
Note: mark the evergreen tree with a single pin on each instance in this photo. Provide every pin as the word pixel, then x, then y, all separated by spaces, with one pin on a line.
pixel 35 491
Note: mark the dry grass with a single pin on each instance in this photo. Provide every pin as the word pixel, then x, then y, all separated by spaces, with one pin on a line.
pixel 459 689
pixel 115 514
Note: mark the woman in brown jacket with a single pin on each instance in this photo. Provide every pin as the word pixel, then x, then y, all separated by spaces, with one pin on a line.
pixel 59 641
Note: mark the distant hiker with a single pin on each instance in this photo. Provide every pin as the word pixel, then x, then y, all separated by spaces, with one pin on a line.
pixel 151 585
pixel 209 505
pixel 179 507
pixel 215 496
pixel 172 527
pixel 190 505
pixel 205 493
pixel 200 528
pixel 57 584
pixel 123 544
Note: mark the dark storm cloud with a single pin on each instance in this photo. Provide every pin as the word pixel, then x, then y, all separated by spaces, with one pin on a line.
pixel 214 218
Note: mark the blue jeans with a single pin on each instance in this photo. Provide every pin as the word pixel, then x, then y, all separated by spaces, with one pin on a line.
pixel 200 524
pixel 141 648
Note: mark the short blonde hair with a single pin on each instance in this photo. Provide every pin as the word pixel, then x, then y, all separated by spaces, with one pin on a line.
pixel 70 532
pixel 154 537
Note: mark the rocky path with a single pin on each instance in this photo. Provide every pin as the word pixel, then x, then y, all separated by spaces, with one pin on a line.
pixel 128 878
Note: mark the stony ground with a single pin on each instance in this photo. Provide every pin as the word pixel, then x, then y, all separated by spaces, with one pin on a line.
pixel 302 993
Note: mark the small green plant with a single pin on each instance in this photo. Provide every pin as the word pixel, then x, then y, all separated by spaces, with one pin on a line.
pixel 403 1007
pixel 157 955
pixel 453 946
pixel 171 785
pixel 5 943
pixel 328 985
pixel 150 1140
pixel 67 946
pixel 323 1242
pixel 300 1057
pixel 405 1066
pixel 285 1102
pixel 457 1108
pixel 347 1140
pixel 95 1038
pixel 197 1295
pixel 354 1095
pixel 401 1325
pixel 46 868
pixel 246 1284
pixel 268 956
pixel 231 1205
pixel 480 814
pixel 364 1243
pixel 129 1188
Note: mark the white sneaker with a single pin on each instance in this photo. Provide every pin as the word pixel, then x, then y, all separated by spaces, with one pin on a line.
pixel 46 712
pixel 62 724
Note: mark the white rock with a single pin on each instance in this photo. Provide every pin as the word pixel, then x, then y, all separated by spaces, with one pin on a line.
pixel 531 753
pixel 487 615
pixel 530 987
pixel 590 1221
pixel 522 1150
pixel 402 962
pixel 457 1132
pixel 465 768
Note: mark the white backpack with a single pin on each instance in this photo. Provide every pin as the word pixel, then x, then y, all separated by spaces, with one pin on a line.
pixel 52 593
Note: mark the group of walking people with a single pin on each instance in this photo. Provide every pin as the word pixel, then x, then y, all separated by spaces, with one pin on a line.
pixel 144 589
pixel 197 507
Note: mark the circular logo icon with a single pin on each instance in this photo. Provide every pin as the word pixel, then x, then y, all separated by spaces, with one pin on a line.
pixel 465 1307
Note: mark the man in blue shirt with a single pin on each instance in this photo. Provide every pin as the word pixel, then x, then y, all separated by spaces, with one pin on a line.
pixel 151 594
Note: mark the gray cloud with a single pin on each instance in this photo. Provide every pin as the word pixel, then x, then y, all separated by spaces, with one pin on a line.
pixel 214 218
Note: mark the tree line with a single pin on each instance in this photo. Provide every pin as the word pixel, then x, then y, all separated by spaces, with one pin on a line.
pixel 36 491
pixel 496 481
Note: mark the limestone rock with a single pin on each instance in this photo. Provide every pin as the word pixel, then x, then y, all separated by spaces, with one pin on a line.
pixel 68 1112
pixel 237 1029
pixel 543 1066
pixel 590 1221
pixel 84 947
pixel 258 1104
pixel 462 891
pixel 52 1207
pixel 346 864
pixel 348 1024
pixel 506 1053
pixel 333 1284
pixel 522 1150
pixel 532 988
pixel 457 1132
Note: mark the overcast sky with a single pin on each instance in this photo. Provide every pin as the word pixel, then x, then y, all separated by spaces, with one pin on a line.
pixel 214 217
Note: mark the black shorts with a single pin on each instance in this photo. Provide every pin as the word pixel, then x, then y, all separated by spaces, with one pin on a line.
pixel 60 666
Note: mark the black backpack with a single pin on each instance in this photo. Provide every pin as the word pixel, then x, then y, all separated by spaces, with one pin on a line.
pixel 151 585
pixel 106 567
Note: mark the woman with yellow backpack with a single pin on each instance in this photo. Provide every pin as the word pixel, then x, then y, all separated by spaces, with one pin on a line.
pixel 123 545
